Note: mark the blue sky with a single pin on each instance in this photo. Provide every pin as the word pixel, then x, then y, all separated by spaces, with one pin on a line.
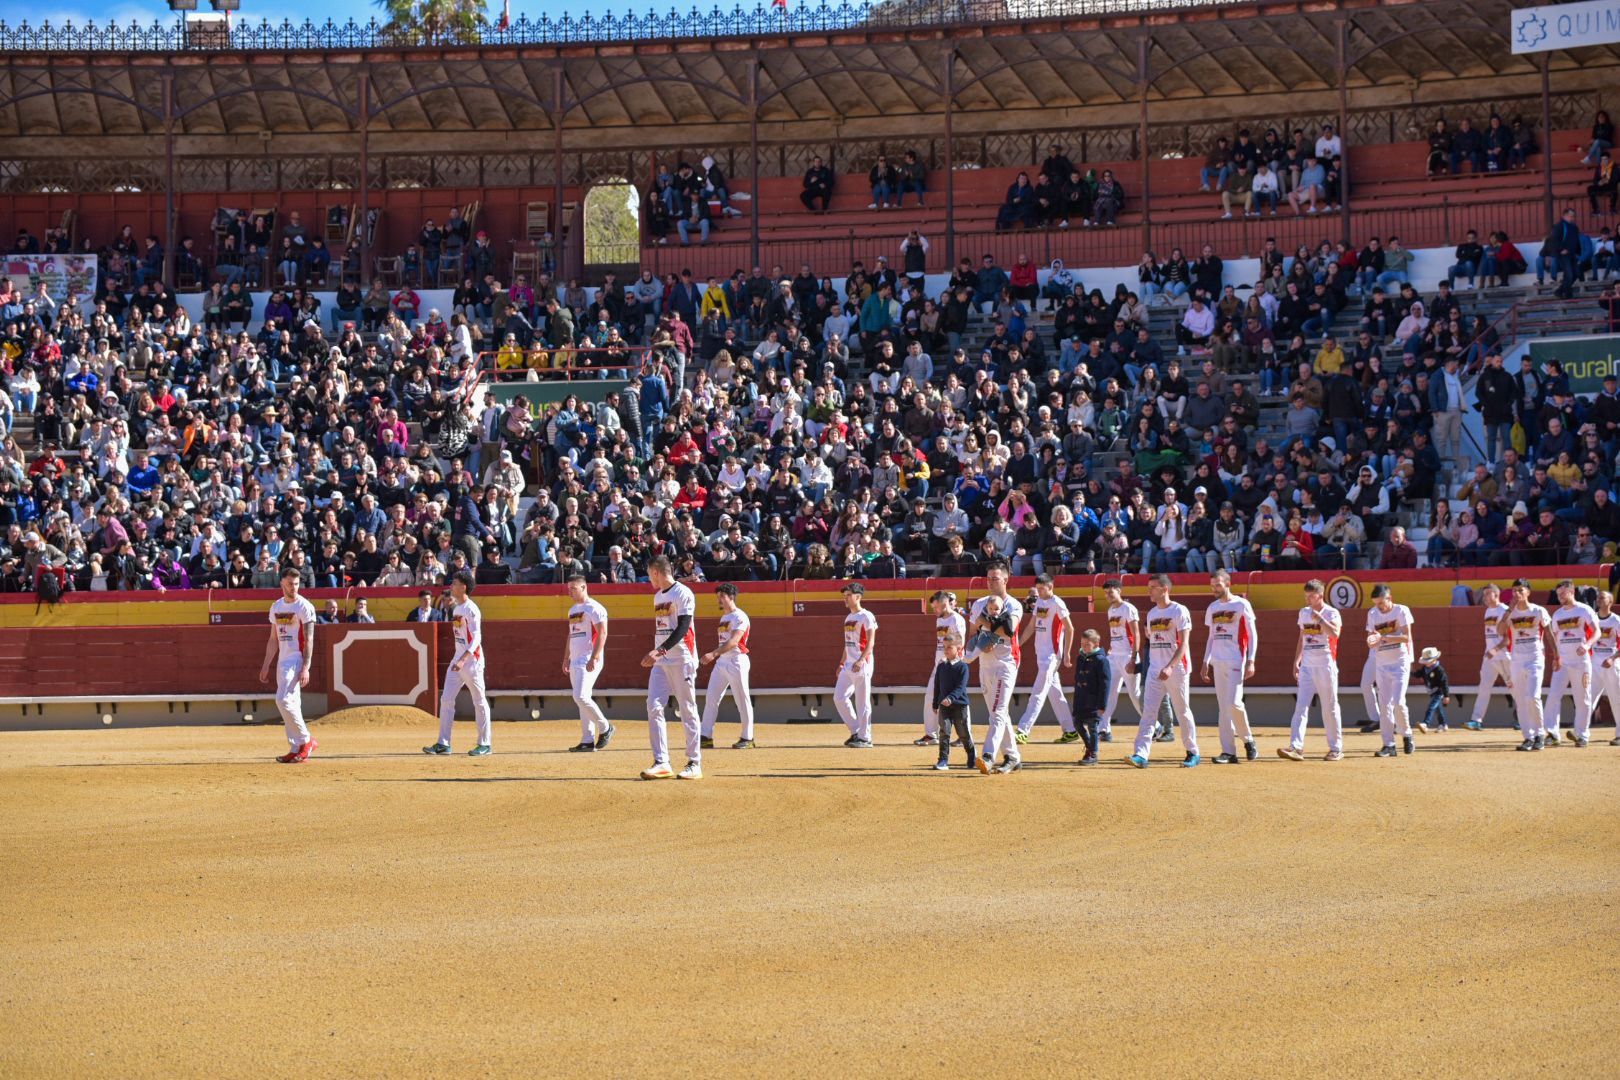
pixel 144 11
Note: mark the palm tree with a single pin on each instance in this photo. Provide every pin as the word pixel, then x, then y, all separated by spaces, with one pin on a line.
pixel 434 22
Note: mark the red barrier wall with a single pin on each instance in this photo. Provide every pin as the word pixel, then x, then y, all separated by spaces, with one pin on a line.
pixel 787 652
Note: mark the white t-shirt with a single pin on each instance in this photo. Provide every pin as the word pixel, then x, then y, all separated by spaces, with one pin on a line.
pixel 587 620
pixel 289 617
pixel 1493 624
pixel 1123 619
pixel 468 624
pixel 1574 627
pixel 1321 630
pixel 732 622
pixel 1232 636
pixel 1164 625
pixel 668 606
pixel 1004 649
pixel 1525 643
pixel 1049 615
pixel 859 627
pixel 1396 620
pixel 944 626
pixel 1607 643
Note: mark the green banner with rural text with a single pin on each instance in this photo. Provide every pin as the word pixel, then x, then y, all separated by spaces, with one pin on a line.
pixel 1586 360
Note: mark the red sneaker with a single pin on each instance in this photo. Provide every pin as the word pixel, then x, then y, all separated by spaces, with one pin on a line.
pixel 303 751
pixel 288 758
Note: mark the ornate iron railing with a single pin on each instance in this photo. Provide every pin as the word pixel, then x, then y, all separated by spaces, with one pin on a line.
pixel 799 16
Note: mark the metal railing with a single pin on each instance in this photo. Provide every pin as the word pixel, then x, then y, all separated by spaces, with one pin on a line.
pixel 799 16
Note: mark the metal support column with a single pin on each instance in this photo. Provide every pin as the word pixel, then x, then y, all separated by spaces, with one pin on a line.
pixel 363 93
pixel 753 161
pixel 947 82
pixel 558 108
pixel 168 177
pixel 1144 46
pixel 1344 130
pixel 1546 139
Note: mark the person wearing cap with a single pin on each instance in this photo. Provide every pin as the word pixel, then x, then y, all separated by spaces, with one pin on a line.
pixel 1434 677
pixel 852 692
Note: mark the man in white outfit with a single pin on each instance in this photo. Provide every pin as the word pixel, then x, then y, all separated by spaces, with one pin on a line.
pixel 582 663
pixel 998 670
pixel 1169 636
pixel 852 693
pixel 291 649
pixel 1124 642
pixel 1575 627
pixel 1369 693
pixel 466 669
pixel 1495 663
pixel 1526 632
pixel 673 664
pixel 1316 670
pixel 1052 629
pixel 730 672
pixel 1229 654
pixel 1605 672
pixel 1389 639
pixel 947 621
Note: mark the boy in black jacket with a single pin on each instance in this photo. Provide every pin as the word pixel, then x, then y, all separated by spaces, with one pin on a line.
pixel 951 702
pixel 1434 677
pixel 1091 679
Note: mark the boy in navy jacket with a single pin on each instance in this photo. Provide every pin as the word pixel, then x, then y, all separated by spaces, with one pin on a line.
pixel 1091 678
pixel 951 702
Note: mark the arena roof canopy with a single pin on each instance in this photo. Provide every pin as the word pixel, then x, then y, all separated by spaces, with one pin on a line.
pixel 833 72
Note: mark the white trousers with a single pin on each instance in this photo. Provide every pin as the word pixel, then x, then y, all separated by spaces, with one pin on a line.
pixel 1118 680
pixel 1178 689
pixel 852 695
pixel 996 680
pixel 1048 686
pixel 1526 687
pixel 1605 680
pixel 730 673
pixel 1234 715
pixel 1369 688
pixel 290 700
pixel 471 676
pixel 592 722
pixel 673 677
pixel 1573 677
pixel 1490 670
pixel 1323 683
pixel 1393 717
pixel 930 714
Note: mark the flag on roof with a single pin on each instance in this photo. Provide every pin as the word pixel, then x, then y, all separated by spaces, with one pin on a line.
pixel 506 15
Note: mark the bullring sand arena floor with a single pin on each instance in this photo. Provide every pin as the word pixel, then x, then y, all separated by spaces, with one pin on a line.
pixel 178 905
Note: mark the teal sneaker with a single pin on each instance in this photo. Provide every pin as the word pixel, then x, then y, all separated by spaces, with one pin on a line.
pixel 1191 761
pixel 481 750
pixel 437 748
pixel 1139 761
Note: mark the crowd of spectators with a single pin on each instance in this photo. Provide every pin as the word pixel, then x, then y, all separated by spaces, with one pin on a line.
pixel 787 424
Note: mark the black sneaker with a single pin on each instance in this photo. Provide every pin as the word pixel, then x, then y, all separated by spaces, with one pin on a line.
pixel 1406 744
pixel 1527 745
pixel 743 744
pixel 1580 741
pixel 860 744
pixel 583 748
pixel 1108 736
pixel 1387 751
pixel 852 741
pixel 706 742
pixel 1225 759
pixel 1089 759
pixel 1540 743
pixel 1554 739
pixel 606 737
pixel 1367 727
pixel 1166 735
pixel 1251 751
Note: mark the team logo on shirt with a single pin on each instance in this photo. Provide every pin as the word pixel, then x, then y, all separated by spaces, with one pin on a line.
pixel 664 608
pixel 1314 628
pixel 1223 618
pixel 1523 623
pixel 1161 626
pixel 1115 623
pixel 286 618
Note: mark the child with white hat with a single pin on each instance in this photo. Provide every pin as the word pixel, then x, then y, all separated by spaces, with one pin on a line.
pixel 1434 677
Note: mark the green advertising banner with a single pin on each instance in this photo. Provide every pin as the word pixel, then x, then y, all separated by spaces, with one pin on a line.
pixel 1586 360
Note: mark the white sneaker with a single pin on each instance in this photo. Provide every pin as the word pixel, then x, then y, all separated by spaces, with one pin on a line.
pixel 871 206
pixel 1064 224
pixel 691 772
pixel 1226 217
pixel 659 771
